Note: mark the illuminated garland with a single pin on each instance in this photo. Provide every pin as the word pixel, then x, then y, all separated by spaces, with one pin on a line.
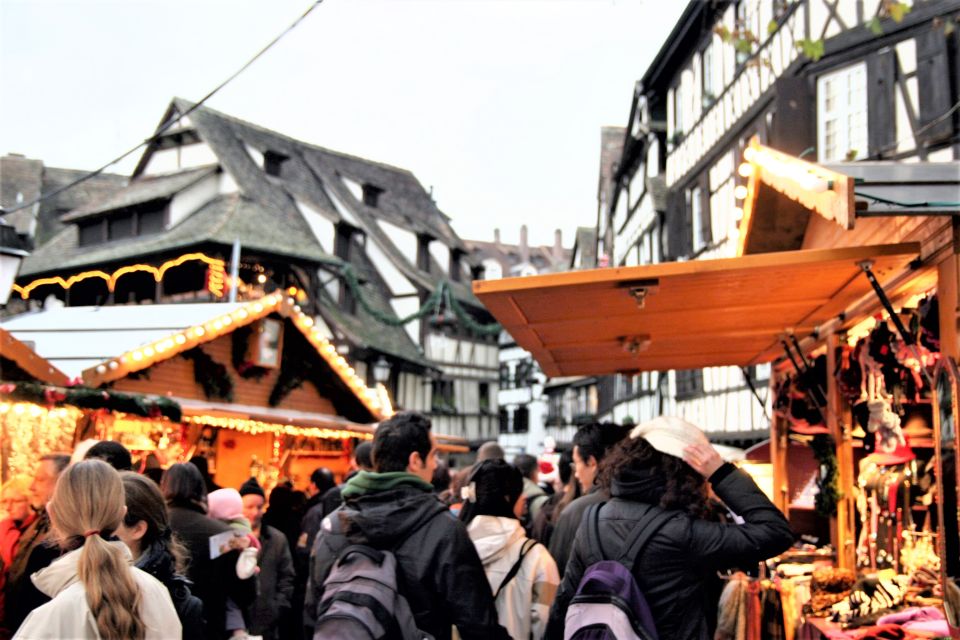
pixel 256 427
pixel 87 398
pixel 217 274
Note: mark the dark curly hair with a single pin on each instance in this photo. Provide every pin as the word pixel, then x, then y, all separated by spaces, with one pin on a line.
pixel 634 470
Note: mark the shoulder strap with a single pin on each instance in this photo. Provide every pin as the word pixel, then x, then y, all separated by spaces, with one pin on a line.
pixel 645 529
pixel 524 550
pixel 591 525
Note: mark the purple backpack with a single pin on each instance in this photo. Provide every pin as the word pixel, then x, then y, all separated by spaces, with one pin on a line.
pixel 608 603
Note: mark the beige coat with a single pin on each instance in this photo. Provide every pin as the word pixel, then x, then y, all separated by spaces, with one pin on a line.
pixel 524 603
pixel 68 614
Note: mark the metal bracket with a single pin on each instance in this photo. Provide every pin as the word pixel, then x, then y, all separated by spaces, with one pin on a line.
pixel 897 322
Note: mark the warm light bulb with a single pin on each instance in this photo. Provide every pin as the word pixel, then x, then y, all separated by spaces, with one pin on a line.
pixel 749 154
pixel 745 170
pixel 740 193
pixel 180 339
pixel 137 356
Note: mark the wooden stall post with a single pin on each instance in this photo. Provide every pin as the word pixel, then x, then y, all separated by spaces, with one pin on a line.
pixel 842 522
pixel 778 455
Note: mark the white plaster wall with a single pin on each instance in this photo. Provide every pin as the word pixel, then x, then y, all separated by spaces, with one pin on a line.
pixel 342 209
pixel 398 283
pixel 403 307
pixel 404 240
pixel 355 187
pixel 441 254
pixel 492 269
pixel 182 157
pixel 228 184
pixel 192 198
pixel 255 154
pixel 321 226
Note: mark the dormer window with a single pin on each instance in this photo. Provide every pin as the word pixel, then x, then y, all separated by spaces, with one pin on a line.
pixel 273 163
pixel 371 195
pixel 143 220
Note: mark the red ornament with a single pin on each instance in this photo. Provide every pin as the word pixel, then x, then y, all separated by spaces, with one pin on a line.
pixel 230 444
pixel 52 395
pixel 8 388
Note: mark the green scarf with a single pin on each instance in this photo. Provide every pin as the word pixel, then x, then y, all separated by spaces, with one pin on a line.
pixel 369 482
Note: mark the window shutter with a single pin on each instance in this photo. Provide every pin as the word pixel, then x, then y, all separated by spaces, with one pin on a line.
pixel 934 85
pixel 678 236
pixel 881 105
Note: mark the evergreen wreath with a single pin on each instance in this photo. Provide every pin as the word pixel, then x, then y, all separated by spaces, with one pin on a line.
pixel 824 450
pixel 238 354
pixel 212 376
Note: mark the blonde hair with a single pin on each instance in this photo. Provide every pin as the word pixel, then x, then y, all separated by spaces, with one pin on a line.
pixel 87 506
pixel 18 485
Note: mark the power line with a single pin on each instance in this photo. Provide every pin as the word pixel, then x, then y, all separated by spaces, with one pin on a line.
pixel 156 136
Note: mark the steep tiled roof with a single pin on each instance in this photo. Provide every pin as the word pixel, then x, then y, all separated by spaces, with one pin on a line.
pixel 141 191
pixel 219 221
pixel 29 178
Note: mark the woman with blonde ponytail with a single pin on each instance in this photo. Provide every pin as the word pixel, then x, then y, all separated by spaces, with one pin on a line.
pixel 96 592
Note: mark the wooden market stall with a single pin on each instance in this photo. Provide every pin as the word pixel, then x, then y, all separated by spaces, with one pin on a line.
pixel 261 390
pixel 830 260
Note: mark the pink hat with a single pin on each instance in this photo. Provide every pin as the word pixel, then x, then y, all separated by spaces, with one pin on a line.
pixel 225 504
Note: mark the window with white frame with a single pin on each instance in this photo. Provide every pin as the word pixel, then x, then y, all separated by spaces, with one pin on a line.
pixel 842 114
pixel 699 218
pixel 708 76
pixel 679 101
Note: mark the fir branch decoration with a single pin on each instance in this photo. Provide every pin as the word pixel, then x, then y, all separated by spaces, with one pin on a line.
pixel 824 451
pixel 212 376
pixel 87 398
pixel 238 355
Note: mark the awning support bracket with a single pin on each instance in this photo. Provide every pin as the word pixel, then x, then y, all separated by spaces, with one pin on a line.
pixel 756 394
pixel 814 394
pixel 895 317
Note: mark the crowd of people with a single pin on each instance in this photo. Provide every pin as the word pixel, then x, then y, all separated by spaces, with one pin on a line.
pixel 404 547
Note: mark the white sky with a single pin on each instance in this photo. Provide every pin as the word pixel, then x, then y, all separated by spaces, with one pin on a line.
pixel 497 104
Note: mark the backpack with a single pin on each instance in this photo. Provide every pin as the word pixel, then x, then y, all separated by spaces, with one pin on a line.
pixel 608 603
pixel 361 599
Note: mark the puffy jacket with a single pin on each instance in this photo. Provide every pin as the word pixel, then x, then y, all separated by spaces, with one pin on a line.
pixel 439 572
pixel 524 603
pixel 276 584
pixel 68 614
pixel 213 580
pixel 677 561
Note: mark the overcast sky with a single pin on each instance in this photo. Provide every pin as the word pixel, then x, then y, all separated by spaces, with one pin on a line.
pixel 496 104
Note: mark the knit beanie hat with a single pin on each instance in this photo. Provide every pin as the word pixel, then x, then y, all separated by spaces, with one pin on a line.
pixel 669 435
pixel 491 490
pixel 225 504
pixel 251 486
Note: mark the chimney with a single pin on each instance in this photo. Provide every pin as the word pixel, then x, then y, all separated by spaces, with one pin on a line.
pixel 558 245
pixel 524 248
pixel 496 236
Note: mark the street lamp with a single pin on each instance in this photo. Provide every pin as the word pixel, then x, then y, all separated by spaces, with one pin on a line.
pixel 381 370
pixel 11 255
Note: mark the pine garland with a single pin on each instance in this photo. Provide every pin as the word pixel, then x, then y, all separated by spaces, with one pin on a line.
pixel 87 398
pixel 238 354
pixel 296 367
pixel 441 294
pixel 212 376
pixel 824 450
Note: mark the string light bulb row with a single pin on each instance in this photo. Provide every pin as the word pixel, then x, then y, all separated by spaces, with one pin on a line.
pixel 257 427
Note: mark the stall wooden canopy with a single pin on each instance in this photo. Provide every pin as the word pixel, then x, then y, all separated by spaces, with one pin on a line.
pixel 685 315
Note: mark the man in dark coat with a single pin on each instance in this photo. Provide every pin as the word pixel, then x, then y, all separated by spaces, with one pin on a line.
pixel 395 508
pixel 590 444
pixel 686 551
pixel 214 579
pixel 276 567
pixel 35 550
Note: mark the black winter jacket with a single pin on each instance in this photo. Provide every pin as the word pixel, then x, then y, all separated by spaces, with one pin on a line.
pixel 213 580
pixel 677 562
pixel 439 571
pixel 276 584
pixel 158 562
pixel 561 543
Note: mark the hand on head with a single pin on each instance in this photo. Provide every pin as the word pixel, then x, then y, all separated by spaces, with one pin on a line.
pixel 703 458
